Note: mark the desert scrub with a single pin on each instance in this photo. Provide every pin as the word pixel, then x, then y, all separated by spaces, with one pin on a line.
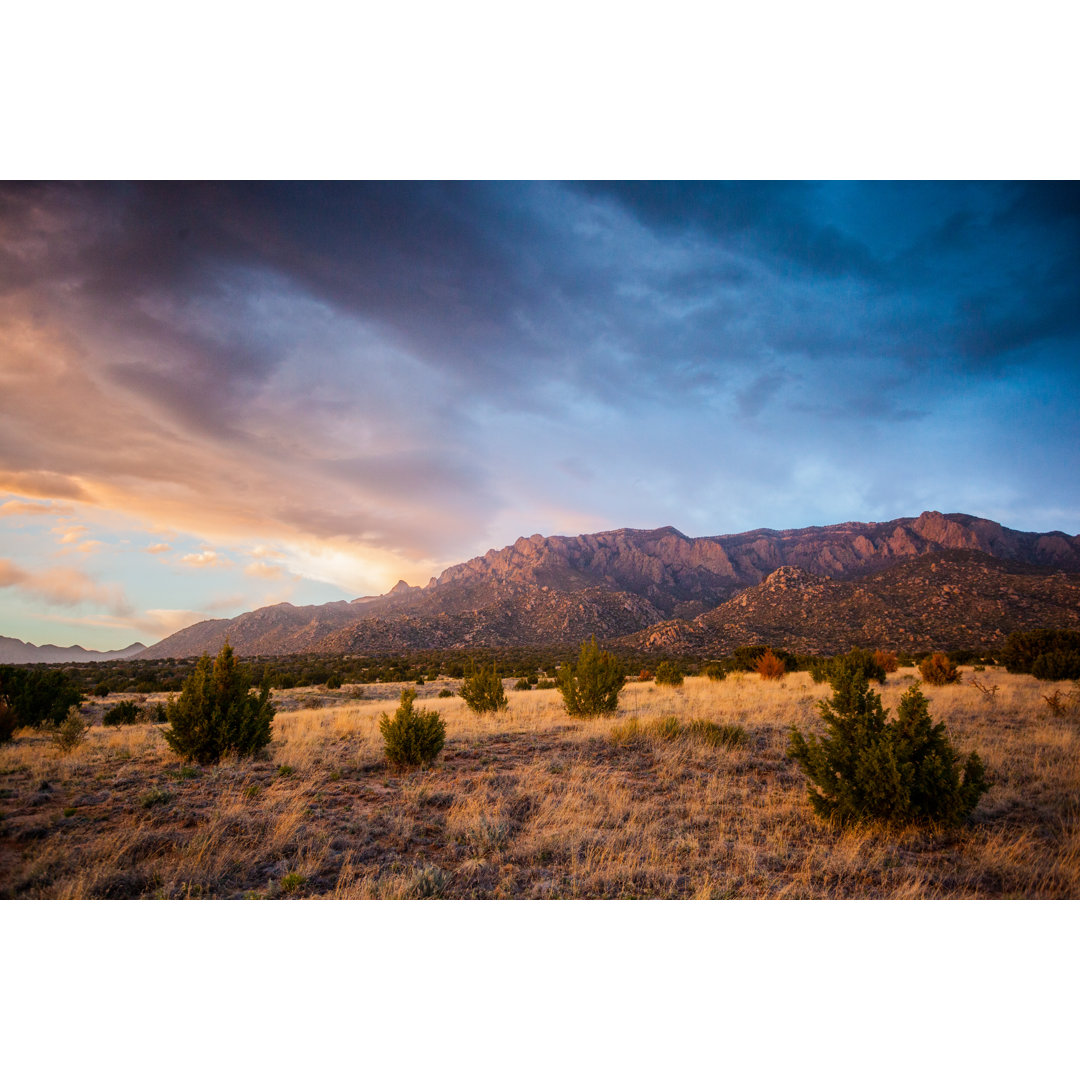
pixel 938 670
pixel 668 674
pixel 412 737
pixel 482 690
pixel 770 666
pixel 217 712
pixel 591 687
pixel 71 731
pixel 867 769
pixel 124 712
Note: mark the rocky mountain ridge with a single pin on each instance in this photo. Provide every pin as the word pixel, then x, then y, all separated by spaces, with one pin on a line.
pixel 557 589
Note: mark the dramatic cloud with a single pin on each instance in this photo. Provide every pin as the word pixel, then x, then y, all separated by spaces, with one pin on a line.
pixel 375 380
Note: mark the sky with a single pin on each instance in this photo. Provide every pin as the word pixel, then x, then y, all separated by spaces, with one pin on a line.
pixel 219 396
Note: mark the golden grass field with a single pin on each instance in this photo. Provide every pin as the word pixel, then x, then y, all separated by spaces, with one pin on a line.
pixel 532 804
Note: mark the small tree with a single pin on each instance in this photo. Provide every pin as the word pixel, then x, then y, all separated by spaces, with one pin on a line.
pixel 483 690
pixel 770 666
pixel 217 713
pixel 591 687
pixel 70 731
pixel 412 736
pixel 865 768
pixel 938 670
pixel 716 671
pixel 668 674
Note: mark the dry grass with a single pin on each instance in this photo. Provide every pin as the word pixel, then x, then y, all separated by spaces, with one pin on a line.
pixel 530 803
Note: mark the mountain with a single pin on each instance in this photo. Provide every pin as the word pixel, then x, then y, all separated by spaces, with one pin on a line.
pixel 946 600
pixel 14 651
pixel 558 589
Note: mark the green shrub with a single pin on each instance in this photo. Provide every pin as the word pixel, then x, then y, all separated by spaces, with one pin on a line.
pixel 445 693
pixel 126 712
pixel 715 671
pixel 412 736
pixel 546 684
pixel 861 660
pixel 668 674
pixel 217 712
pixel 522 684
pixel 291 882
pixel 483 690
pixel 938 670
pixel 1023 648
pixel 334 682
pixel 154 797
pixel 1056 665
pixel 591 687
pixel 71 731
pixel 867 769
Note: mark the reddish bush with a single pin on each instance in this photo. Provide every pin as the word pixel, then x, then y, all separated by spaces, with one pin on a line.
pixel 770 666
pixel 886 659
pixel 938 670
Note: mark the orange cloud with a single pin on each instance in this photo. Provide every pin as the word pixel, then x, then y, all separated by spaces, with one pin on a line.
pixel 158 549
pixel 15 509
pixel 40 483
pixel 264 570
pixel 64 587
pixel 205 558
pixel 70 534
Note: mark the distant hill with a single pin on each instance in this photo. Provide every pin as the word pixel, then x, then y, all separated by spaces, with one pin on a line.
pixel 557 590
pixel 14 651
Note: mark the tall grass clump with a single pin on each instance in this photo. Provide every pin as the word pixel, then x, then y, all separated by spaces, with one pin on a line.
pixel 412 737
pixel 591 687
pixel 866 768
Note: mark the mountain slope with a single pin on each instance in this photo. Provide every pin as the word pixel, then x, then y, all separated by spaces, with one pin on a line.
pixel 947 600
pixel 557 589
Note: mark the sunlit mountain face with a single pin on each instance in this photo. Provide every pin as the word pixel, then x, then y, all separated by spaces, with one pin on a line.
pixel 215 397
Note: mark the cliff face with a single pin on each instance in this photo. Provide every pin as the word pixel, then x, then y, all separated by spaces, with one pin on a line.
pixel 558 589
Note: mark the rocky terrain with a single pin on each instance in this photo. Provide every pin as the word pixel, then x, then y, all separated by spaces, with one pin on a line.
pixel 948 600
pixel 558 590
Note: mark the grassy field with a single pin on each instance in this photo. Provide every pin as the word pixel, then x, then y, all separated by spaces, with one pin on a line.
pixel 532 804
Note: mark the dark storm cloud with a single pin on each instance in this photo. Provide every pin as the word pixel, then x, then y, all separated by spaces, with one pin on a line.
pixel 383 345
